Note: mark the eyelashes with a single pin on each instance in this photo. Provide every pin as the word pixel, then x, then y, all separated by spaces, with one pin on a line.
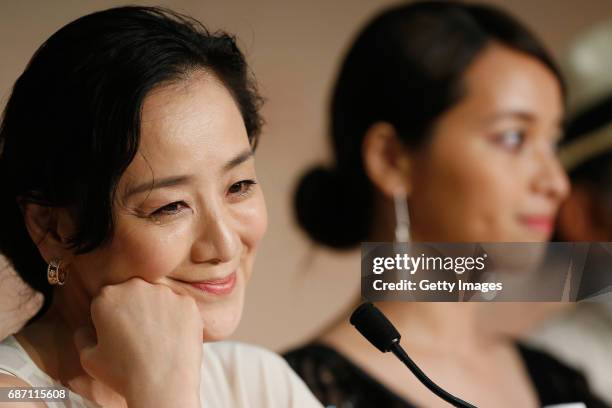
pixel 510 140
pixel 514 140
pixel 169 209
pixel 242 188
pixel 236 192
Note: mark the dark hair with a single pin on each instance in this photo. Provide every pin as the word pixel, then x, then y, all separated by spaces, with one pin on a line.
pixel 594 170
pixel 405 68
pixel 72 124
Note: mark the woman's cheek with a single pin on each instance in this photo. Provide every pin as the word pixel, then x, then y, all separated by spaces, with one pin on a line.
pixel 253 221
pixel 155 251
pixel 483 192
pixel 499 205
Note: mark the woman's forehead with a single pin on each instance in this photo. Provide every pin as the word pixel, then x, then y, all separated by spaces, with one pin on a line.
pixel 196 120
pixel 502 79
pixel 193 128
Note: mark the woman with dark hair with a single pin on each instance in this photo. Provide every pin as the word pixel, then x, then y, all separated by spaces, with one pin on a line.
pixel 452 111
pixel 127 175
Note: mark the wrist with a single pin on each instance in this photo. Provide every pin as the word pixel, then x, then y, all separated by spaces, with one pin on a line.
pixel 178 389
pixel 162 400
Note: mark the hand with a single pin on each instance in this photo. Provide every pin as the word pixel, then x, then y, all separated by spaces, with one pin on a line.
pixel 18 302
pixel 146 344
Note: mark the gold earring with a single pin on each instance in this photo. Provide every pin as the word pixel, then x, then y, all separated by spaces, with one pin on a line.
pixel 55 274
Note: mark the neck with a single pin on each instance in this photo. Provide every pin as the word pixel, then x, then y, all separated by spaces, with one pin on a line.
pixel 439 325
pixel 50 343
pixel 443 328
pixel 429 324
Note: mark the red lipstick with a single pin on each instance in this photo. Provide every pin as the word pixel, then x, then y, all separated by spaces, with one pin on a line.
pixel 539 223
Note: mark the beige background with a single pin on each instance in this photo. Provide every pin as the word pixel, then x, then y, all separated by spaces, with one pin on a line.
pixel 294 48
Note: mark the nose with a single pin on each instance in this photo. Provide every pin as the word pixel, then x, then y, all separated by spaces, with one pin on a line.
pixel 216 240
pixel 551 179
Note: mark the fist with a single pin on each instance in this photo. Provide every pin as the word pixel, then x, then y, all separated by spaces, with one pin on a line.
pixel 143 337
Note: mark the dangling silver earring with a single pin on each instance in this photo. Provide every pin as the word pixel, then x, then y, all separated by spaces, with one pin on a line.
pixel 402 217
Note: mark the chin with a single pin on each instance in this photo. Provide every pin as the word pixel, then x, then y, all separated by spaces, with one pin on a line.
pixel 221 322
pixel 534 236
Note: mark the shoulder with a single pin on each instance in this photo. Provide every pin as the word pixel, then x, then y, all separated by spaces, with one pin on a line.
pixel 256 374
pixel 315 361
pixel 9 381
pixel 313 351
pixel 337 381
pixel 555 381
pixel 14 362
pixel 539 364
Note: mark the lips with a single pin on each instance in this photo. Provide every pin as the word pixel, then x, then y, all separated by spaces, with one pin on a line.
pixel 539 223
pixel 220 287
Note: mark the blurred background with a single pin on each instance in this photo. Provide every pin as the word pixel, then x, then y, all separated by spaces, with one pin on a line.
pixel 294 49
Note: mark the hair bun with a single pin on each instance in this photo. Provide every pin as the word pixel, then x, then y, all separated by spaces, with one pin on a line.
pixel 332 208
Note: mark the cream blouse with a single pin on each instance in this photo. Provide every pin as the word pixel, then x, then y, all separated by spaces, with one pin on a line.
pixel 233 375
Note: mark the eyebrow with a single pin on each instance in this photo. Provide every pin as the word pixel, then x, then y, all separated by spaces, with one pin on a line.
pixel 520 114
pixel 184 179
pixel 156 184
pixel 514 114
pixel 241 158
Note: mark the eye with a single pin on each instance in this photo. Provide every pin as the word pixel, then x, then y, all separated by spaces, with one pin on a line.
pixel 169 209
pixel 510 140
pixel 242 188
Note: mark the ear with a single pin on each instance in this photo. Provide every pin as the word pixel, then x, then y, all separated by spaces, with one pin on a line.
pixel 386 160
pixel 50 229
pixel 578 217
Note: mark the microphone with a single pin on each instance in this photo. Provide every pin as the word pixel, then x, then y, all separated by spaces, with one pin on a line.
pixel 378 330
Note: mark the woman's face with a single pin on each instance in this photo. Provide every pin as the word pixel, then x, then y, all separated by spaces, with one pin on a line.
pixel 490 171
pixel 188 213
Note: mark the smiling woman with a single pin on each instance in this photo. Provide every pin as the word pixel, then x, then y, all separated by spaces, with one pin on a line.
pixel 452 111
pixel 129 176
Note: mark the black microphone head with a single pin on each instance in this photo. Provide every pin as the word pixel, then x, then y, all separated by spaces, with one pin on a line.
pixel 375 326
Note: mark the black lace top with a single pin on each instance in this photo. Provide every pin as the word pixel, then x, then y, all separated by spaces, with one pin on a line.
pixel 339 383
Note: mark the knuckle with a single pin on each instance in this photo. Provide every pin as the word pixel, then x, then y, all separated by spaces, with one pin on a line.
pixel 106 292
pixel 189 303
pixel 137 283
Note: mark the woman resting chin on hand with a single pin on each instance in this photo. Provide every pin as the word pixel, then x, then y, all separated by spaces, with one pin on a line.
pixel 139 212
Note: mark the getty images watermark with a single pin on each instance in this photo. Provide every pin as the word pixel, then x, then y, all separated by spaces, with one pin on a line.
pixel 514 272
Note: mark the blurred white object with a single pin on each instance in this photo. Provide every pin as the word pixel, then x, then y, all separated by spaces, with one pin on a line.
pixel 587 67
pixel 18 302
pixel 572 405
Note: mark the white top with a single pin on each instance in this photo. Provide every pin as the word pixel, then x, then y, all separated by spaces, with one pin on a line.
pixel 233 375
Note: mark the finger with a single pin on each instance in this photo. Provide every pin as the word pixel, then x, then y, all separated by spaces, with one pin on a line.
pixel 177 290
